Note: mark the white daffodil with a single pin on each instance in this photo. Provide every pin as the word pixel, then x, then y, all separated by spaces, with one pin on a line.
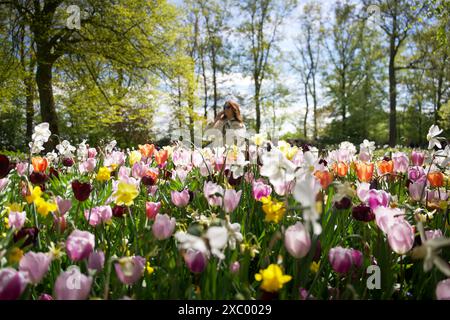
pixel 433 132
pixel 189 241
pixel 41 133
pixel 429 252
pixel 305 191
pixel 234 234
pixel 277 168
pixel 344 190
pixel 217 239
pixel 442 157
pixel 65 149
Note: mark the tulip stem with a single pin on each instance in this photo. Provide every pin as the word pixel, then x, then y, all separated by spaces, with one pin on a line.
pixel 108 277
pixel 135 231
pixel 36 222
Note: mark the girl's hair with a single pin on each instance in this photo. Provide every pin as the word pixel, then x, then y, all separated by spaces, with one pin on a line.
pixel 236 110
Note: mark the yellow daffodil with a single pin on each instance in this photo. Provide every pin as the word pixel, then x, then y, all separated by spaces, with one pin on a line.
pixel 34 194
pixel 6 222
pixel 135 156
pixel 258 139
pixel 103 174
pixel 44 207
pixel 14 207
pixel 125 194
pixel 287 150
pixel 273 209
pixel 272 278
pixel 56 252
pixel 149 269
pixel 314 267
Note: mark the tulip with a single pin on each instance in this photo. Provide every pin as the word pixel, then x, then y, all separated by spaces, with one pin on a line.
pixel 35 265
pixel 146 150
pixel 325 178
pixel 80 244
pixel 67 162
pixel 436 179
pixel 417 158
pixel 118 211
pixel 340 259
pixel 81 190
pixel 45 297
pixel 377 198
pixel 3 183
pixel 235 266
pixel 364 171
pixel 433 234
pixel 340 168
pixel 401 236
pixel 92 152
pixel 63 205
pixel 437 195
pixel 231 200
pixel 364 156
pixel 130 269
pixel 39 164
pixel 16 220
pixel 357 258
pixel 29 234
pixel 385 166
pixel 195 260
pixel 343 204
pixel 96 261
pixel 443 290
pixel 363 213
pixel 12 284
pixel 415 191
pixel 4 166
pixel 416 173
pixel 161 157
pixel 152 209
pixel 97 215
pixel 213 193
pixel 297 240
pixel 163 226
pixel 180 199
pixel 72 285
pixel 88 165
pixel 260 190
pixel 401 162
pixel 38 178
pixel 22 168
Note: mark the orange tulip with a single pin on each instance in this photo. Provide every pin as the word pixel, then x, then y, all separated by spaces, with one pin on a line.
pixel 39 164
pixel 364 171
pixel 161 156
pixel 436 179
pixel 340 168
pixel 146 150
pixel 325 178
pixel 386 166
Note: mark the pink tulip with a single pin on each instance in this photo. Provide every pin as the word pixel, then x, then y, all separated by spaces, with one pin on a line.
pixel 235 266
pixel 98 215
pixel 436 195
pixel 416 173
pixel 417 158
pixel 401 236
pixel 401 162
pixel 63 205
pixel 3 183
pixel 139 170
pixel 45 297
pixel 88 165
pixel 297 240
pixel 357 258
pixel 260 190
pixel 163 226
pixel 213 193
pixel 92 152
pixel 434 234
pixel 386 217
pixel 364 156
pixel 195 260
pixel 35 265
pixel 152 209
pixel 80 244
pixel 415 191
pixel 96 261
pixel 340 259
pixel 130 269
pixel 23 168
pixel 12 284
pixel 72 285
pixel 16 220
pixel 180 199
pixel 443 290
pixel 231 200
pixel 377 198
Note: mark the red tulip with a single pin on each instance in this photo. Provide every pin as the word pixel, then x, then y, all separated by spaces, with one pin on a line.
pixel 81 190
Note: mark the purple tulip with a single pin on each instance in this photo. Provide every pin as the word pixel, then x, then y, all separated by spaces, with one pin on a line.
pixel 195 260
pixel 130 269
pixel 260 190
pixel 163 226
pixel 16 220
pixel 231 200
pixel 180 199
pixel 401 236
pixel 416 173
pixel 340 259
pixel 45 297
pixel 96 261
pixel 386 217
pixel 79 245
pixel 401 162
pixel 67 162
pixel 35 265
pixel 376 198
pixel 443 290
pixel 235 266
pixel 12 284
pixel 297 240
pixel 72 285
pixel 417 158
pixel 118 211
pixel 63 205
pixel 357 258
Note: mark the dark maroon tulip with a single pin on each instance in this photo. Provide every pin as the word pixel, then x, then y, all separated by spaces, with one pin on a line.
pixel 305 147
pixel 54 173
pixel 68 162
pixel 231 179
pixel 148 181
pixel 344 203
pixel 323 161
pixel 4 166
pixel 81 190
pixel 29 234
pixel 38 178
pixel 118 211
pixel 191 195
pixel 363 213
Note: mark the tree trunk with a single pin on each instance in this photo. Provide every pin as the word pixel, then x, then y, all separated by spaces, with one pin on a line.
pixel 46 100
pixel 257 106
pixel 29 89
pixel 305 119
pixel 392 96
pixel 214 70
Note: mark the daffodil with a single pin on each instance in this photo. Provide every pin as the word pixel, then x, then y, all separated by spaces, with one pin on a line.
pixel 34 194
pixel 149 269
pixel 258 139
pixel 14 207
pixel 273 209
pixel 314 267
pixel 125 194
pixel 135 156
pixel 15 255
pixel 44 207
pixel 272 278
pixel 103 174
